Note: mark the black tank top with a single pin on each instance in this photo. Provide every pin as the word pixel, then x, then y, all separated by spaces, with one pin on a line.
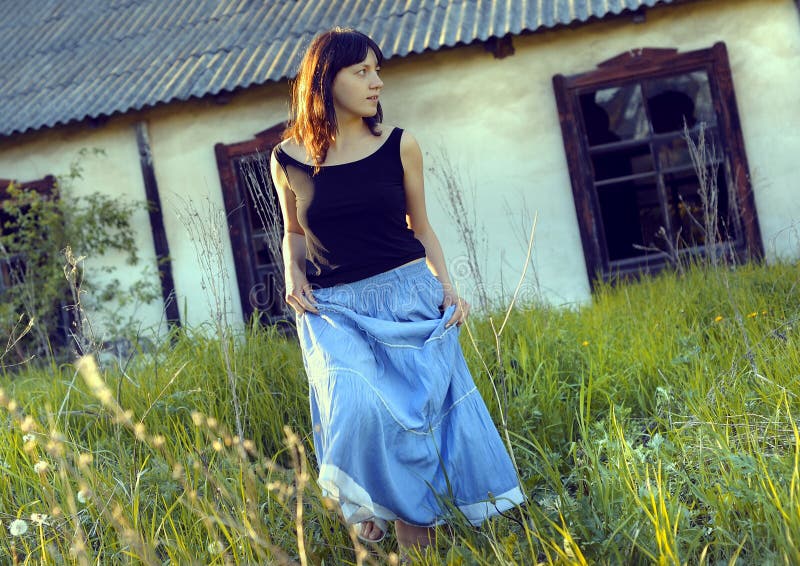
pixel 353 214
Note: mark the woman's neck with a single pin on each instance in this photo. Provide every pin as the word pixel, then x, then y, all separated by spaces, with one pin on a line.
pixel 349 133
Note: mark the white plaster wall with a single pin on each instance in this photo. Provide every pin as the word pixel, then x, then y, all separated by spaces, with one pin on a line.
pixel 498 122
pixel 186 170
pixel 498 119
pixel 765 62
pixel 117 173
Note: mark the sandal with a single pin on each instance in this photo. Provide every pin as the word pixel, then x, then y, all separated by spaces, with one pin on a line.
pixel 378 522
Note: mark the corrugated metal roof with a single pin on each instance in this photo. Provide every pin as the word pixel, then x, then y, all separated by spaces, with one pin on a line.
pixel 66 60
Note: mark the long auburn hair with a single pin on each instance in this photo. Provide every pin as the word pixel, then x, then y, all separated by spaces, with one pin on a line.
pixel 312 119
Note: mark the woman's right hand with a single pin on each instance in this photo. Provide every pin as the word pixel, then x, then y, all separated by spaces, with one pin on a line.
pixel 299 295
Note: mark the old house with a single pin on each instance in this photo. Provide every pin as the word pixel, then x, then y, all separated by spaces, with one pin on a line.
pixel 569 109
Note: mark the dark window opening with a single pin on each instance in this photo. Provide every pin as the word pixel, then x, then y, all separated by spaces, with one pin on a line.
pixel 255 224
pixel 16 269
pixel 636 186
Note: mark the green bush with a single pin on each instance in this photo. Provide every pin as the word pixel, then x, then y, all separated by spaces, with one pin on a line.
pixel 37 229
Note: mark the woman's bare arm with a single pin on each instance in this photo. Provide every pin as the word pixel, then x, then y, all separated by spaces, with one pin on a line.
pixel 298 290
pixel 417 217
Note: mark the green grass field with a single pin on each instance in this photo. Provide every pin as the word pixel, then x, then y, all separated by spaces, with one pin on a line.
pixel 655 426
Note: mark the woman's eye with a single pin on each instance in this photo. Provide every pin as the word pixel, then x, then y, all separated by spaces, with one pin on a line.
pixel 362 72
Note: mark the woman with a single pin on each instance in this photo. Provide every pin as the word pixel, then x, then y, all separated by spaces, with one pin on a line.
pixel 399 428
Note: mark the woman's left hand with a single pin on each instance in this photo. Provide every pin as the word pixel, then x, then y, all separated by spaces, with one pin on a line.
pixel 462 306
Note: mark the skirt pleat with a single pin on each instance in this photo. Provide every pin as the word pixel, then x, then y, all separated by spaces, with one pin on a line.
pixel 400 430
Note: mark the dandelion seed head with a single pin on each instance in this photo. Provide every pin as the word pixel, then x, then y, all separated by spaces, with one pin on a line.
pixel 18 527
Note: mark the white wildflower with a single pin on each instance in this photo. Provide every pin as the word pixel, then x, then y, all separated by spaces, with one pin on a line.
pixel 40 467
pixel 39 518
pixel 30 437
pixel 82 496
pixel 18 527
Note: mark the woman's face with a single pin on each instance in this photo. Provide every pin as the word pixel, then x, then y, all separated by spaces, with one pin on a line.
pixel 356 88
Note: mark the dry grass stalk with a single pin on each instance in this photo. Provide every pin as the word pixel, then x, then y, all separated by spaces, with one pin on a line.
pixel 205 232
pixel 454 194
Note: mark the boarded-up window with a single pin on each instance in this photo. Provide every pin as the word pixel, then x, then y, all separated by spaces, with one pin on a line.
pixel 631 128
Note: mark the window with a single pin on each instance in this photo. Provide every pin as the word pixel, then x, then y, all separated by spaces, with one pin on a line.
pixel 638 197
pixel 12 265
pixel 255 224
pixel 20 271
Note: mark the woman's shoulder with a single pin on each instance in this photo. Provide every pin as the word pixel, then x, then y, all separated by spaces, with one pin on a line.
pixel 408 143
pixel 291 149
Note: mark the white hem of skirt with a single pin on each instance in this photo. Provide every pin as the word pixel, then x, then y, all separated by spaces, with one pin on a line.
pixel 357 506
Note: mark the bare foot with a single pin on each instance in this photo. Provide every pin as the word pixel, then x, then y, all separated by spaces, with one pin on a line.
pixel 412 536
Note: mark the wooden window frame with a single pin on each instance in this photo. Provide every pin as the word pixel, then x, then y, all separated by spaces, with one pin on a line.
pixel 47 187
pixel 244 254
pixel 637 65
pixel 44 186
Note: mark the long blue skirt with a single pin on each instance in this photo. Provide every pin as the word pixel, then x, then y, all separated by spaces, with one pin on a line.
pixel 400 430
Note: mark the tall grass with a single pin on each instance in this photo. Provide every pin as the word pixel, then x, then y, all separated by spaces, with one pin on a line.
pixel 655 426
